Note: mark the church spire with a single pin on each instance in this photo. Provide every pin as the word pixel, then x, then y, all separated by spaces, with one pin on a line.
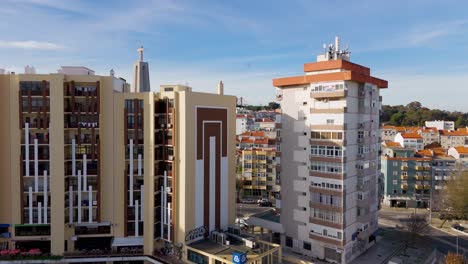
pixel 141 81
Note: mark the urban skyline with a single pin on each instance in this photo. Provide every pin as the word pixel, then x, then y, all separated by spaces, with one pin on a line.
pixel 239 44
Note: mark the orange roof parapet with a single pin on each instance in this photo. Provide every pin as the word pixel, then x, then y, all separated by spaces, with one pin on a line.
pixel 336 64
pixel 334 76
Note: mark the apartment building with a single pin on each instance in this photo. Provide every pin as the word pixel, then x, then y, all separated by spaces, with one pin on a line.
pixel 412 179
pixel 450 138
pixel 388 133
pixel 410 140
pixel 441 124
pixel 459 153
pixel 88 164
pixel 259 173
pixel 258 164
pixel 407 179
pixel 330 143
pixel 429 135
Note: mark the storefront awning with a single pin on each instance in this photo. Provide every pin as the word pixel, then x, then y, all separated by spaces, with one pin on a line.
pixel 127 241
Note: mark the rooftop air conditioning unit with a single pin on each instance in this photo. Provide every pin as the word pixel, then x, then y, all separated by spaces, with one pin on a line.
pixel 171 157
pixel 169 125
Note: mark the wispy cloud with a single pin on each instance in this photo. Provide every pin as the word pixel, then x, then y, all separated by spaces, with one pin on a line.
pixel 424 34
pixel 30 45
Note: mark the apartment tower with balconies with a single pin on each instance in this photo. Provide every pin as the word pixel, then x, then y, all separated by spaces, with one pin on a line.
pixel 330 161
pixel 89 164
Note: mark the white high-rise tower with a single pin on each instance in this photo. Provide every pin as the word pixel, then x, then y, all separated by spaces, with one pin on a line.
pixel 141 82
pixel 329 157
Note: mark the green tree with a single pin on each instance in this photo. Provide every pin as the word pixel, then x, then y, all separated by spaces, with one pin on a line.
pixel 397 118
pixel 454 197
pixel 461 121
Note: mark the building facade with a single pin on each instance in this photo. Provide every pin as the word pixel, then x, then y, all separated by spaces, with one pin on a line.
pixel 330 143
pixel 88 164
pixel 441 124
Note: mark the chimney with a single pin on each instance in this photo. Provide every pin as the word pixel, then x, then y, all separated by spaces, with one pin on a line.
pixel 221 88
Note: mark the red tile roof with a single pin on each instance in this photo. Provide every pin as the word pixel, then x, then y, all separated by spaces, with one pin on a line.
pixel 411 135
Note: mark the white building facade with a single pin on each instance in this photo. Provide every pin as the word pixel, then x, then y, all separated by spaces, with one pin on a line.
pixel 330 143
pixel 441 124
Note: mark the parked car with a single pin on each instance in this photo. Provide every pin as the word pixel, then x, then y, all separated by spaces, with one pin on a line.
pixel 248 201
pixel 266 204
pixel 241 222
pixel 259 201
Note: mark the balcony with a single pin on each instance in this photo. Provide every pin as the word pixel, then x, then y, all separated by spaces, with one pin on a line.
pixel 427 168
pixel 93 229
pixel 427 177
pixel 404 177
pixel 323 222
pixel 331 94
pixel 404 186
pixel 326 239
pixel 419 177
pixel 427 187
pixel 418 186
pixel 32 230
pixel 404 168
pixel 419 168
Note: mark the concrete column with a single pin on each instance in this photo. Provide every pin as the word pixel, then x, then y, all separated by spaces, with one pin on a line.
pixel 36 166
pixel 26 148
pixel 130 185
pixel 39 213
pixel 85 172
pixel 46 197
pixel 137 226
pixel 70 204
pixel 90 204
pixel 30 197
pixel 79 197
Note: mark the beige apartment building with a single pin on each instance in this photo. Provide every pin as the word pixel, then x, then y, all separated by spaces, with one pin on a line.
pixel 87 163
pixel 329 165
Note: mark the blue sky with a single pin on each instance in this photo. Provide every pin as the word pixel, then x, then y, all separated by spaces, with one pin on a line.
pixel 419 46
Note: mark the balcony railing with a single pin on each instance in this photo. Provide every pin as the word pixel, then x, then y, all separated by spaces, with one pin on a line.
pixel 404 168
pixel 404 177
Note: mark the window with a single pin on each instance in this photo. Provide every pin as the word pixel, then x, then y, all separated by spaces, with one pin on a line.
pixel 325 232
pixel 307 246
pixel 304 103
pixel 395 182
pixel 394 191
pixel 338 235
pixel 326 135
pixel 289 242
pixel 395 173
pixel 326 151
pixel 330 121
pixel 168 89
pixel 336 168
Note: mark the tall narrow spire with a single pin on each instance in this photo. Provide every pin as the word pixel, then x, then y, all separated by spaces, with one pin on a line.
pixel 140 51
pixel 141 81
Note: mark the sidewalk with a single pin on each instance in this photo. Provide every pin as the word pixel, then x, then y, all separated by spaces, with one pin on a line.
pixel 390 243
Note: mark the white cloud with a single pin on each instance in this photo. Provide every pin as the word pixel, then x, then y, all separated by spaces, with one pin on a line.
pixel 30 45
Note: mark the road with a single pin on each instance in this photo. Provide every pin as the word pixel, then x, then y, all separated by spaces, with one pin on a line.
pixel 245 210
pixel 441 240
